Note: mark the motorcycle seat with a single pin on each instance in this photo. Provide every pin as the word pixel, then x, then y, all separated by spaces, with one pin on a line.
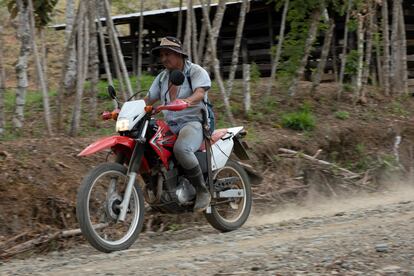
pixel 217 134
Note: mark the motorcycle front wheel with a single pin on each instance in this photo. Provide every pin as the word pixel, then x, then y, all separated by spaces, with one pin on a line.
pixel 228 214
pixel 97 208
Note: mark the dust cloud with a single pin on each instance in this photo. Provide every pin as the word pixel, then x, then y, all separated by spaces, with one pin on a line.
pixel 321 206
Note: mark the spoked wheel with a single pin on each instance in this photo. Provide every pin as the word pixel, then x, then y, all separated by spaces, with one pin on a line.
pixel 228 214
pixel 97 209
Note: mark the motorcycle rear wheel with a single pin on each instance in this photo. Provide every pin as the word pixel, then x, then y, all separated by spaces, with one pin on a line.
pixel 97 209
pixel 228 216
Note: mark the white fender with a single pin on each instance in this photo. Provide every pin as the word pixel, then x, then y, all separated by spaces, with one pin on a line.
pixel 222 149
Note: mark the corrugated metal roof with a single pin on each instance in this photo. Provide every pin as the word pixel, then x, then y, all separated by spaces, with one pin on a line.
pixel 146 13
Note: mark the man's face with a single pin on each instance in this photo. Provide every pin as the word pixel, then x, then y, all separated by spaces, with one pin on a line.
pixel 170 59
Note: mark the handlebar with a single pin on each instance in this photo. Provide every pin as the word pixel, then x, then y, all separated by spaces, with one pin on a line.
pixel 176 105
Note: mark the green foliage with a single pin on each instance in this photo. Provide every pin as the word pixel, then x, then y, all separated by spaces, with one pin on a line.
pixel 398 109
pixel 342 115
pixel 300 120
pixel 254 73
pixel 294 43
pixel 348 87
pixel 352 25
pixel 43 10
pixel 351 65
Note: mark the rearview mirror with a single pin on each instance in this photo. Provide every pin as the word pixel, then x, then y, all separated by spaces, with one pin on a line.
pixel 111 92
pixel 177 77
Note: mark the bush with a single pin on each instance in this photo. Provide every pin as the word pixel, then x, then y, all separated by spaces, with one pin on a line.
pixel 300 120
pixel 342 115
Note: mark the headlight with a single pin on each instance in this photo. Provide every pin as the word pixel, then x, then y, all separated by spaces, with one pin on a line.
pixel 122 125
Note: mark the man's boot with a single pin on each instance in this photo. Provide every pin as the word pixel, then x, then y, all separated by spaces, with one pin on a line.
pixel 203 196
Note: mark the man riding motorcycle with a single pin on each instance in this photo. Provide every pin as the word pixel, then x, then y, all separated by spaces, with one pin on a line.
pixel 187 124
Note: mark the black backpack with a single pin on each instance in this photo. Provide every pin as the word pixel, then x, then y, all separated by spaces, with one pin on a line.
pixel 209 107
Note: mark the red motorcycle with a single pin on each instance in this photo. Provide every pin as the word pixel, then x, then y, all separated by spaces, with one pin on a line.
pixel 110 201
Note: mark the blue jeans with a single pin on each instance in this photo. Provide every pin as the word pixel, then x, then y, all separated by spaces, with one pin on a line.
pixel 189 141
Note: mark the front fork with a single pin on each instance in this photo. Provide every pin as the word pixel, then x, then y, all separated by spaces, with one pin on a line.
pixel 133 168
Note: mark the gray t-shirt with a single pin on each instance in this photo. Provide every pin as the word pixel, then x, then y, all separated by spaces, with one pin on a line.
pixel 159 91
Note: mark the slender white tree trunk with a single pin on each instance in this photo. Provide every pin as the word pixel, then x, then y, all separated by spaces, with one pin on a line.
pixel 187 35
pixel 44 55
pixel 194 37
pixel 180 20
pixel 215 30
pixel 77 107
pixel 116 63
pixel 93 62
pixel 216 63
pixel 117 45
pixel 280 39
pixel 369 40
pixel 246 88
pixel 360 33
pixel 344 50
pixel 39 69
pixel 70 76
pixel 21 66
pixel 2 85
pixel 396 49
pixel 404 67
pixel 203 32
pixel 104 52
pixel 236 49
pixel 140 43
pixel 324 55
pixel 386 47
pixel 62 88
pixel 314 21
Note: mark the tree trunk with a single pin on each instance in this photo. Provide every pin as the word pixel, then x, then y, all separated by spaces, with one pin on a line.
pixel 236 49
pixel 369 39
pixel 203 32
pixel 360 33
pixel 194 37
pixel 378 58
pixel 324 56
pixel 188 27
pixel 116 63
pixel 404 68
pixel 93 63
pixel 395 49
pixel 215 29
pixel 140 43
pixel 68 48
pixel 70 75
pixel 314 21
pixel 2 85
pixel 104 52
pixel 180 20
pixel 39 69
pixel 386 45
pixel 21 66
pixel 344 50
pixel 77 107
pixel 280 39
pixel 118 48
pixel 43 50
pixel 246 88
pixel 216 66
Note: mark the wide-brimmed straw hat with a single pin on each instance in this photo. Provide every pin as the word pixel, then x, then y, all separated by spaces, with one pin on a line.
pixel 170 43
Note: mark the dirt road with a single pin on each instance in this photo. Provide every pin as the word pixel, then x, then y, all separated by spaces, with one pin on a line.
pixel 370 235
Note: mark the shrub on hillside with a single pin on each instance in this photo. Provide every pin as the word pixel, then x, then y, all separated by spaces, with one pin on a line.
pixel 300 120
